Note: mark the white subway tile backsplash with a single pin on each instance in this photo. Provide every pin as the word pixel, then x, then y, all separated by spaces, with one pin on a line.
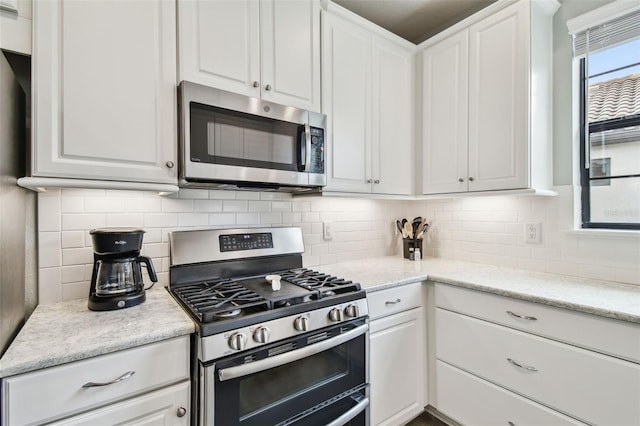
pixel 49 253
pixel 484 230
pixel 207 206
pixel 74 273
pixel 49 210
pixel 103 205
pixel 72 205
pixel 270 218
pixel 193 219
pixel 77 256
pixel 235 206
pixel 217 219
pixel 49 285
pixel 79 222
pixel 281 206
pixel 160 220
pixel 72 239
pixel 176 205
pixel 125 220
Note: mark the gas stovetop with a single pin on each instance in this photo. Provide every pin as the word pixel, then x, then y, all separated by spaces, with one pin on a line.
pixel 220 278
pixel 223 304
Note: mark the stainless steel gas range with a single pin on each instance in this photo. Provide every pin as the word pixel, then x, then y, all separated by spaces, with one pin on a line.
pixel 277 344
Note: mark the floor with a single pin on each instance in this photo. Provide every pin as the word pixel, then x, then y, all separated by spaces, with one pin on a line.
pixel 426 419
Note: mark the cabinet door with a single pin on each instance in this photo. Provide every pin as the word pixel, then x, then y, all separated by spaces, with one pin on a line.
pixel 166 407
pixel 498 100
pixel 104 80
pixel 393 124
pixel 397 360
pixel 290 35
pixel 347 103
pixel 219 44
pixel 445 103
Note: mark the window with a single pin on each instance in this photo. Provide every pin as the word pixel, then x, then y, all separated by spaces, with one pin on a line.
pixel 609 87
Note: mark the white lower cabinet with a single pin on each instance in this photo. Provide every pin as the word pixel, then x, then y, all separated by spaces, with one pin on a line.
pixel 396 369
pixel 549 376
pixel 166 407
pixel 474 401
pixel 144 385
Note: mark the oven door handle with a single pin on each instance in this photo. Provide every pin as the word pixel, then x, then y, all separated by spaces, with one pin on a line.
pixel 285 358
pixel 349 415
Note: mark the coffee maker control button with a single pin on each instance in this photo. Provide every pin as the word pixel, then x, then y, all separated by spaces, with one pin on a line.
pixel 238 341
pixel 121 303
pixel 261 335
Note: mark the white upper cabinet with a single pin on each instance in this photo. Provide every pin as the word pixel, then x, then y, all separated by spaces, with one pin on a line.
pixel 483 128
pixel 104 85
pixel 267 48
pixel 368 99
pixel 445 116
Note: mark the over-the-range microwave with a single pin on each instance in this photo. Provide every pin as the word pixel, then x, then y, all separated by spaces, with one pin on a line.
pixel 231 141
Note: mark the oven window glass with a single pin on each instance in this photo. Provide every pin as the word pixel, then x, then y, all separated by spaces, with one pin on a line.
pixel 233 138
pixel 267 388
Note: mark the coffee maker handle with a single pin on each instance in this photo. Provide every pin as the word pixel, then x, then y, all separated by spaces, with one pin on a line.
pixel 150 269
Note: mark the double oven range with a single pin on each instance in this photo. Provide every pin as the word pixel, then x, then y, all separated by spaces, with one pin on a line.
pixel 276 344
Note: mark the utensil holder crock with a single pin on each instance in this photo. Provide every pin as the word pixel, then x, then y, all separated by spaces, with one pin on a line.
pixel 409 246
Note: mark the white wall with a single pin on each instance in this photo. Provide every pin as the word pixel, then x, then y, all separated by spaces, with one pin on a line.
pixel 477 229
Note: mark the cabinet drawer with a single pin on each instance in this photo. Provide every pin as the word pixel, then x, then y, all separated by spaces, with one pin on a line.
pixel 473 401
pixel 59 391
pixel 393 300
pixel 609 336
pixel 589 386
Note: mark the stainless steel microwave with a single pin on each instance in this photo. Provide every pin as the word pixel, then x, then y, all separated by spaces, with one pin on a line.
pixel 231 141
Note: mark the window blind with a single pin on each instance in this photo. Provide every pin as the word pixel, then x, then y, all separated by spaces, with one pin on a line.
pixel 607 34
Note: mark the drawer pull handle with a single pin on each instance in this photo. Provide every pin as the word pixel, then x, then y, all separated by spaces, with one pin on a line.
pixel 392 302
pixel 125 376
pixel 513 314
pixel 524 367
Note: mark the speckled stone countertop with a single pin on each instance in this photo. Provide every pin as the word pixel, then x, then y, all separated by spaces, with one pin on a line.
pixel 603 298
pixel 68 331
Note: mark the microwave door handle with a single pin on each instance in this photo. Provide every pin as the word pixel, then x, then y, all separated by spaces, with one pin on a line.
pixel 287 357
pixel 352 413
pixel 307 147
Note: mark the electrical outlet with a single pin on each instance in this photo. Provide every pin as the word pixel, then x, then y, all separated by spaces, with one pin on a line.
pixel 327 231
pixel 532 232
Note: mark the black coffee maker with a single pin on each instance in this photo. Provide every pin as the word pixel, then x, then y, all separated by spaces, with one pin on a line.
pixel 116 282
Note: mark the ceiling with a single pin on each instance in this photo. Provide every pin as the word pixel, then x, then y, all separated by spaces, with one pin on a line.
pixel 414 20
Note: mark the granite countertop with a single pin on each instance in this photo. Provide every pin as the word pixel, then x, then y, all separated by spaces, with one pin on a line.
pixel 68 331
pixel 604 298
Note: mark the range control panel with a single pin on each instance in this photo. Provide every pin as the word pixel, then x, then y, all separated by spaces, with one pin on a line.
pixel 237 242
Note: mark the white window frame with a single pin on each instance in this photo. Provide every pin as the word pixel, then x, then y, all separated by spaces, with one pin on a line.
pixel 594 18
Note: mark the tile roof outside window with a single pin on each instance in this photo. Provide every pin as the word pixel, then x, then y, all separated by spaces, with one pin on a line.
pixel 615 98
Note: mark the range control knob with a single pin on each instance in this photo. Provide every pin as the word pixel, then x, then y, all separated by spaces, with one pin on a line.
pixel 301 323
pixel 352 311
pixel 238 341
pixel 261 335
pixel 335 315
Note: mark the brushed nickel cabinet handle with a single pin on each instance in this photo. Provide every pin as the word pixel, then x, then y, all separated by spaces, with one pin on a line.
pixel 181 412
pixel 524 367
pixel 125 376
pixel 513 314
pixel 376 181
pixel 256 84
pixel 392 302
pixel 170 164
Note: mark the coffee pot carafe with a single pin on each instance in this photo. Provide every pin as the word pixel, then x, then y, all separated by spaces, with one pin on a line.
pixel 116 281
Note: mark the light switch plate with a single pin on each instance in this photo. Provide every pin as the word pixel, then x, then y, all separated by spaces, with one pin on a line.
pixel 327 231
